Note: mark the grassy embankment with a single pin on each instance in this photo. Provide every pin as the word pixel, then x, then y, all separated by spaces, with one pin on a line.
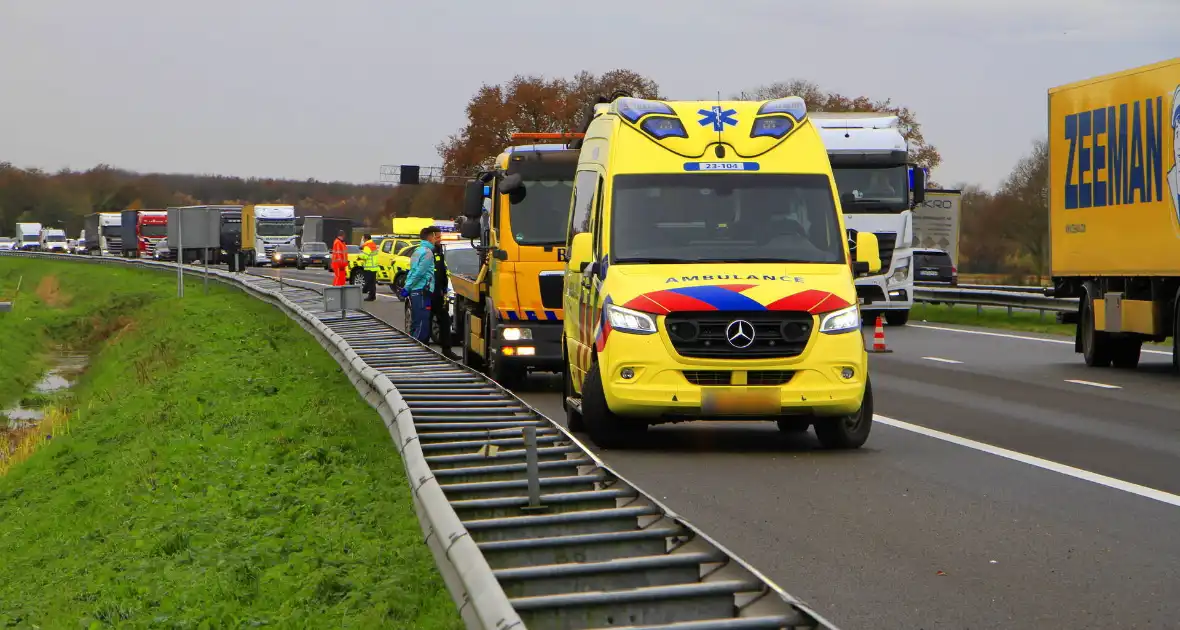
pixel 219 470
pixel 991 317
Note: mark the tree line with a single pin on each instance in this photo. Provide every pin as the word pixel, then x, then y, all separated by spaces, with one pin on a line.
pixel 1002 231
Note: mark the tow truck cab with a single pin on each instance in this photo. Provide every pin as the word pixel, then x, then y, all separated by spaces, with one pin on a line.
pixel 513 309
pixel 710 274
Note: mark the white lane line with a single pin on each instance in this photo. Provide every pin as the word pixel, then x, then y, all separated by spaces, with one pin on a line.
pixel 1093 384
pixel 941 360
pixel 1070 471
pixel 1020 337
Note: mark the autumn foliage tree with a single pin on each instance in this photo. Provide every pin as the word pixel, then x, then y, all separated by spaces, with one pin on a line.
pixel 818 100
pixel 530 104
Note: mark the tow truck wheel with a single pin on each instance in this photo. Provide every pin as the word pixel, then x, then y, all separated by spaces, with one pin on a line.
pixel 847 432
pixel 605 428
pixel 1126 352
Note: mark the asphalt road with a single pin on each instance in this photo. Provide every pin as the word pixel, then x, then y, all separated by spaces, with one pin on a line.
pixel 933 524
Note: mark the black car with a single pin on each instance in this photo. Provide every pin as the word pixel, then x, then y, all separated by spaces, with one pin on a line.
pixel 315 255
pixel 934 267
pixel 285 256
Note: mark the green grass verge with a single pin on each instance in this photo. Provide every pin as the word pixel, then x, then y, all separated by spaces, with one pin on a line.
pixel 219 471
pixel 991 317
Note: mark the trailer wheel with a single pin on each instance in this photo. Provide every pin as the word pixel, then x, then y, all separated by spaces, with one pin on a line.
pixel 1096 344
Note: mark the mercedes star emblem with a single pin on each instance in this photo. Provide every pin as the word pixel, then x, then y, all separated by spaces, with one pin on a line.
pixel 740 333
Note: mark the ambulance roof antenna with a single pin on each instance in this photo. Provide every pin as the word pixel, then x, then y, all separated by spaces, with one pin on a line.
pixel 719 150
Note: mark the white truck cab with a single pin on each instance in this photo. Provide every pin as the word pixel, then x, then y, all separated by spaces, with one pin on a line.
pixel 878 191
pixel 274 225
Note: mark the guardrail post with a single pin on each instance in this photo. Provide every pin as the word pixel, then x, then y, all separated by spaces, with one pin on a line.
pixel 533 468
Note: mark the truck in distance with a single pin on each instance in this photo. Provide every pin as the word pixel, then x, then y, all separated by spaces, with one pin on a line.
pixel 142 231
pixel 1114 210
pixel 104 234
pixel 264 228
pixel 54 240
pixel 710 275
pixel 878 191
pixel 28 236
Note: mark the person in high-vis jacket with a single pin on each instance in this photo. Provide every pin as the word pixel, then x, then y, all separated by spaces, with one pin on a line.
pixel 369 258
pixel 339 260
pixel 420 283
pixel 438 302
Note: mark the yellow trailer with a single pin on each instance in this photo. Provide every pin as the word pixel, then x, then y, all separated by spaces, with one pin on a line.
pixel 1114 210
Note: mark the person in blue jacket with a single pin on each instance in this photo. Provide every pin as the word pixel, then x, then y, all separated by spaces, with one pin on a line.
pixel 420 283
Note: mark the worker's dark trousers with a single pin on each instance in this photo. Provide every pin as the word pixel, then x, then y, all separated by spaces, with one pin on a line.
pixel 370 286
pixel 438 307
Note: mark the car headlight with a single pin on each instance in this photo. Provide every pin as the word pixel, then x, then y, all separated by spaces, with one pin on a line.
pixel 841 321
pixel 627 320
pixel 516 334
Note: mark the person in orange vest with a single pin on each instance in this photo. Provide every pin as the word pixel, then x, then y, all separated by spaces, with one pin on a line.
pixel 369 256
pixel 339 260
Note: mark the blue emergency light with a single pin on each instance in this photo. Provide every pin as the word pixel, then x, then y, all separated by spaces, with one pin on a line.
pixel 487 190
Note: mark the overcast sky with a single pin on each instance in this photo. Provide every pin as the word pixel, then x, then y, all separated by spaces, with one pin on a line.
pixel 333 89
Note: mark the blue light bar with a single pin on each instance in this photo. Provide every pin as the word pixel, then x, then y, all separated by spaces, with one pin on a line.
pixel 772 127
pixel 635 108
pixel 664 127
pixel 487 190
pixel 791 105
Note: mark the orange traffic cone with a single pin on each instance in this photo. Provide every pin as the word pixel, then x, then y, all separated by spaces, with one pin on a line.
pixel 879 336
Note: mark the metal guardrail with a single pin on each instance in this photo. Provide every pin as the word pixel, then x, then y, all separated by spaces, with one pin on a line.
pixel 991 296
pixel 527 525
pixel 1015 288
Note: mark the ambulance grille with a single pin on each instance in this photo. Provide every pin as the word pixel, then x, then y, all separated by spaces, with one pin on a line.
pixel 702 335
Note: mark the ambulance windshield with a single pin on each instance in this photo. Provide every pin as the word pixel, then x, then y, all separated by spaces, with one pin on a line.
pixel 725 217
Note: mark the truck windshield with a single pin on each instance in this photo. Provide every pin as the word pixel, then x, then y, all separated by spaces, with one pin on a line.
pixel 540 219
pixel 111 230
pixel 276 227
pixel 54 238
pixel 725 217
pixel 153 230
pixel 865 190
pixel 28 237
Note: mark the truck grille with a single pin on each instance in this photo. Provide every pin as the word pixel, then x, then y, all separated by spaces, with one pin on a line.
pixel 114 244
pixel 151 247
pixel 887 242
pixel 702 335
pixel 552 289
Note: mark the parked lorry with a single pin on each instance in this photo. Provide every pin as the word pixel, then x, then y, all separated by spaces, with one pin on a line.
pixel 319 229
pixel 54 240
pixel 710 274
pixel 265 227
pixel 1114 210
pixel 28 236
pixel 511 313
pixel 104 233
pixel 878 191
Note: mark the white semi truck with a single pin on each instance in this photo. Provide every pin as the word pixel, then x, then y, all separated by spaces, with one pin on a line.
pixel 28 236
pixel 265 227
pixel 878 191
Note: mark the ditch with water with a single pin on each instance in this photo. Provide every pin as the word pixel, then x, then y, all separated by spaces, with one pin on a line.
pixel 23 425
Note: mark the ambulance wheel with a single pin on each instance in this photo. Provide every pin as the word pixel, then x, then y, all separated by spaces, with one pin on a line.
pixel 606 429
pixel 847 432
pixel 1096 344
pixel 573 419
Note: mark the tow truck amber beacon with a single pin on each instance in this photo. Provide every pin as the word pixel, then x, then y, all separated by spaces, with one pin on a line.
pixel 710 274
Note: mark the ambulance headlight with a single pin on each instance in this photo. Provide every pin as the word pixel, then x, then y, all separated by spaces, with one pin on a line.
pixel 627 320
pixel 841 321
pixel 630 321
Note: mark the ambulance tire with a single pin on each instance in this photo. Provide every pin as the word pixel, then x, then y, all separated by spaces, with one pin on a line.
pixel 606 429
pixel 847 432
pixel 573 419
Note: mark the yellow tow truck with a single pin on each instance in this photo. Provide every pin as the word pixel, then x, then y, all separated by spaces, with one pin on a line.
pixel 510 314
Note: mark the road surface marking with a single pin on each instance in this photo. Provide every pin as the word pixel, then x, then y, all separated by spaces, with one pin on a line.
pixel 1093 384
pixel 940 360
pixel 1021 337
pixel 1069 471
